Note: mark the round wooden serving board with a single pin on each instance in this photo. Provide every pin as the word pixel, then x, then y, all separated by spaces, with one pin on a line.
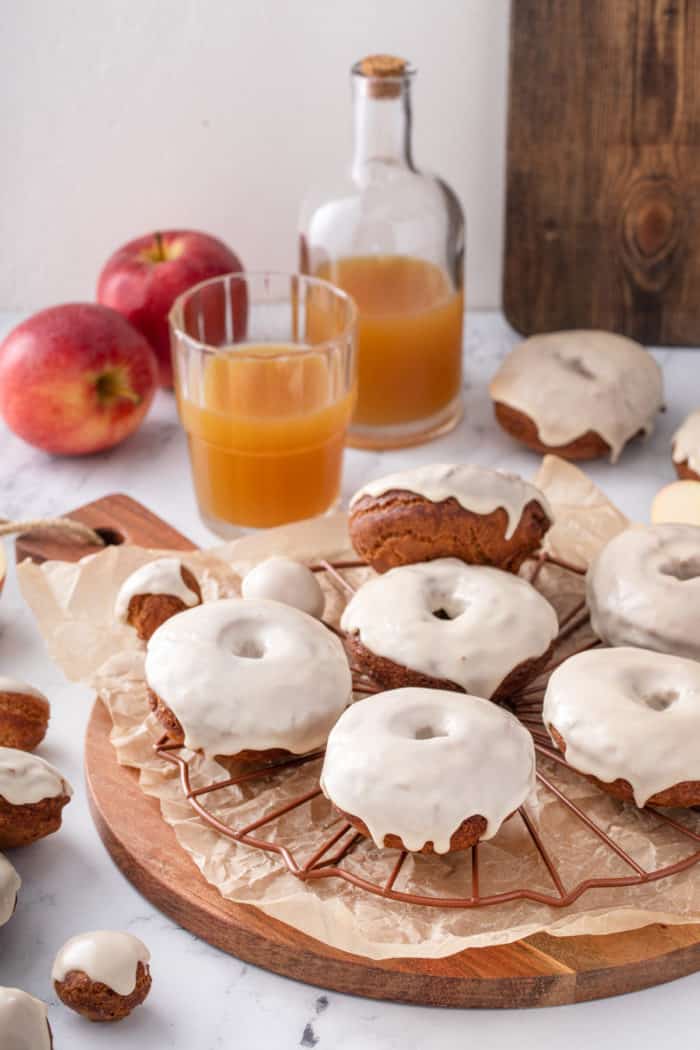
pixel 539 971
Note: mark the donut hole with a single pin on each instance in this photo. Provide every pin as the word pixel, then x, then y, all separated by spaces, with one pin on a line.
pixel 419 724
pixel 448 608
pixel 249 649
pixel 685 569
pixel 245 642
pixel 660 699
pixel 428 732
pixel 576 365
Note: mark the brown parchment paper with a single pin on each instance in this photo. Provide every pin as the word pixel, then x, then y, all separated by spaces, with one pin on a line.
pixel 73 605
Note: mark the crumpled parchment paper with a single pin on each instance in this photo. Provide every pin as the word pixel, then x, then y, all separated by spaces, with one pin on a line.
pixel 73 604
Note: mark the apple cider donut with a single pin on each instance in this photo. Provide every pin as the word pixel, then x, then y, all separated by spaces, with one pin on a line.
pixel 426 770
pixel 23 1021
pixel 10 884
pixel 484 517
pixel 24 715
pixel 447 625
pixel 629 719
pixel 686 448
pixel 578 394
pixel 155 592
pixel 239 677
pixel 643 589
pixel 32 796
pixel 102 975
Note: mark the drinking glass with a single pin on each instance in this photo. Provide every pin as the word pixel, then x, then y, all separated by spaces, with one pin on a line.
pixel 265 377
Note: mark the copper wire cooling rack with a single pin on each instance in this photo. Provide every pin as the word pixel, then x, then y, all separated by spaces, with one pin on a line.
pixel 327 858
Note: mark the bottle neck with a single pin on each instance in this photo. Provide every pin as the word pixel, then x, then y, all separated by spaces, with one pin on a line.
pixel 381 123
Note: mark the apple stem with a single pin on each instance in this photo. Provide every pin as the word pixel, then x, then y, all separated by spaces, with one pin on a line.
pixel 160 252
pixel 112 385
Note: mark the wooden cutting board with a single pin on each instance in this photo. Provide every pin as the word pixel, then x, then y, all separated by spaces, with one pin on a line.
pixel 603 179
pixel 538 971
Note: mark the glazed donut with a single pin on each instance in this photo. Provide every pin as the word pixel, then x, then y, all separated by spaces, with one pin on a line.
pixel 23 1021
pixel 280 579
pixel 426 770
pixel 686 448
pixel 155 592
pixel 630 720
pixel 579 394
pixel 24 714
pixel 102 975
pixel 447 625
pixel 10 884
pixel 484 517
pixel 643 589
pixel 238 676
pixel 32 796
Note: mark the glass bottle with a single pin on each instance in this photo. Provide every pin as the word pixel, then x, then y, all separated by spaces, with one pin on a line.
pixel 393 238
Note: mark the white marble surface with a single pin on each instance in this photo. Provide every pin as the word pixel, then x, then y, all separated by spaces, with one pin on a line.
pixel 201 998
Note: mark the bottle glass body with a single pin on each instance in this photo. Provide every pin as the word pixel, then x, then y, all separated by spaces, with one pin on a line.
pixel 393 238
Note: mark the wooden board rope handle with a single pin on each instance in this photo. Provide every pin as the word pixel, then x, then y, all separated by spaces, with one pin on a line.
pixel 73 530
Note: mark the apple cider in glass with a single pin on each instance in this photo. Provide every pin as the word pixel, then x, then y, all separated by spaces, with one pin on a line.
pixel 265 380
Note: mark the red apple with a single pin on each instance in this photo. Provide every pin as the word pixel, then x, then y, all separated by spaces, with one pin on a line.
pixel 76 378
pixel 143 279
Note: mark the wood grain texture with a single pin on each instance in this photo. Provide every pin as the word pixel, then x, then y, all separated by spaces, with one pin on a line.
pixel 603 181
pixel 539 971
pixel 118 518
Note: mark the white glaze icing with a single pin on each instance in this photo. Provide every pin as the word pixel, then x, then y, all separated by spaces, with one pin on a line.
pixel 26 778
pixel 678 502
pixel 10 883
pixel 242 674
pixel 162 576
pixel 280 579
pixel 643 589
pixel 23 1021
pixel 499 621
pixel 15 685
pixel 629 713
pixel 686 442
pixel 418 762
pixel 571 382
pixel 476 489
pixel 108 956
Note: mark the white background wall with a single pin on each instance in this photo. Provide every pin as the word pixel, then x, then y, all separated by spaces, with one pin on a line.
pixel 120 116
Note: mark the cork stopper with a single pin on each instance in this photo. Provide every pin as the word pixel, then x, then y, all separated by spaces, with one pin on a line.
pixel 384 72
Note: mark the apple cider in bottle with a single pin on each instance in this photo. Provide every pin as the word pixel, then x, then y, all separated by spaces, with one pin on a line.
pixel 393 238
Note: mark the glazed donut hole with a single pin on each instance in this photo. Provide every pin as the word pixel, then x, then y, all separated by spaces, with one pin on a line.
pixel 248 648
pixel 647 691
pixel 24 718
pixel 685 569
pixel 447 606
pixel 573 363
pixel 419 724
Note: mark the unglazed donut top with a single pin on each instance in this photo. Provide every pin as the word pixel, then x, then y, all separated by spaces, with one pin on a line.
pixel 242 674
pixel 418 762
pixel 643 589
pixel 280 579
pixel 571 382
pixel 628 713
pixel 108 956
pixel 26 778
pixel 162 576
pixel 686 442
pixel 498 621
pixel 16 686
pixel 23 1021
pixel 476 489
pixel 10 883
